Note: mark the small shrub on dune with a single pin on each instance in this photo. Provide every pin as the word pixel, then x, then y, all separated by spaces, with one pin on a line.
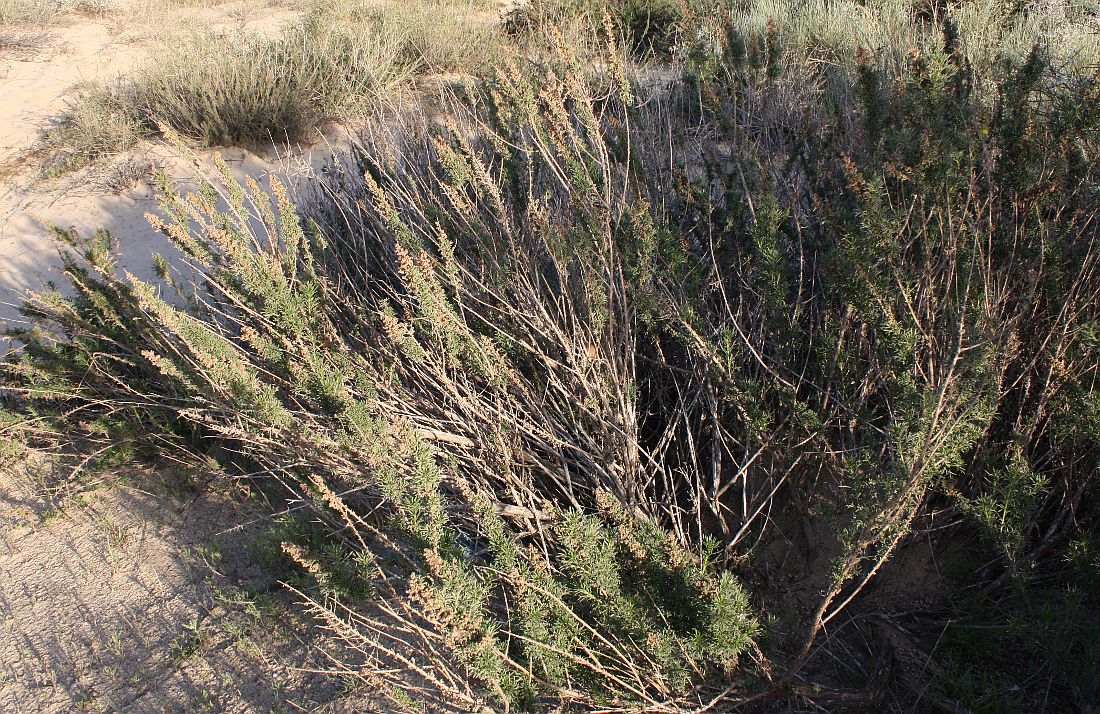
pixel 219 90
pixel 651 29
pixel 95 126
pixel 239 90
pixel 431 36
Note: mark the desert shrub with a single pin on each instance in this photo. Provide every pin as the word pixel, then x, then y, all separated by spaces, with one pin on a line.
pixel 95 126
pixel 1044 631
pixel 650 28
pixel 571 362
pixel 905 159
pixel 221 90
pixel 314 350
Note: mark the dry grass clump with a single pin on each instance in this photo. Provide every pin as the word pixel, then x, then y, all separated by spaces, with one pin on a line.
pixel 29 11
pixel 434 36
pixel 239 89
pixel 95 126
pixel 123 175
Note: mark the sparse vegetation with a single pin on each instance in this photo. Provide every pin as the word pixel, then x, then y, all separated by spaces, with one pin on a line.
pixel 96 126
pixel 230 90
pixel 38 12
pixel 616 380
pixel 242 90
pixel 20 42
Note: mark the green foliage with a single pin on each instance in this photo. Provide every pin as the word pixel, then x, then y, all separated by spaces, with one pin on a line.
pixel 555 370
pixel 1008 504
pixel 649 26
pixel 338 570
pixel 993 645
pixel 12 435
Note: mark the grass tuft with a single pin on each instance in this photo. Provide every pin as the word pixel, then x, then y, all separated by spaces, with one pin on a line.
pixel 231 90
pixel 96 126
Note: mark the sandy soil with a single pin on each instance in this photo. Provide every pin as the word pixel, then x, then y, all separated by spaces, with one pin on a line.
pixel 146 597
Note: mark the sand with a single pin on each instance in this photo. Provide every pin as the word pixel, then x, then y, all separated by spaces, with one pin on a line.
pixel 143 595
